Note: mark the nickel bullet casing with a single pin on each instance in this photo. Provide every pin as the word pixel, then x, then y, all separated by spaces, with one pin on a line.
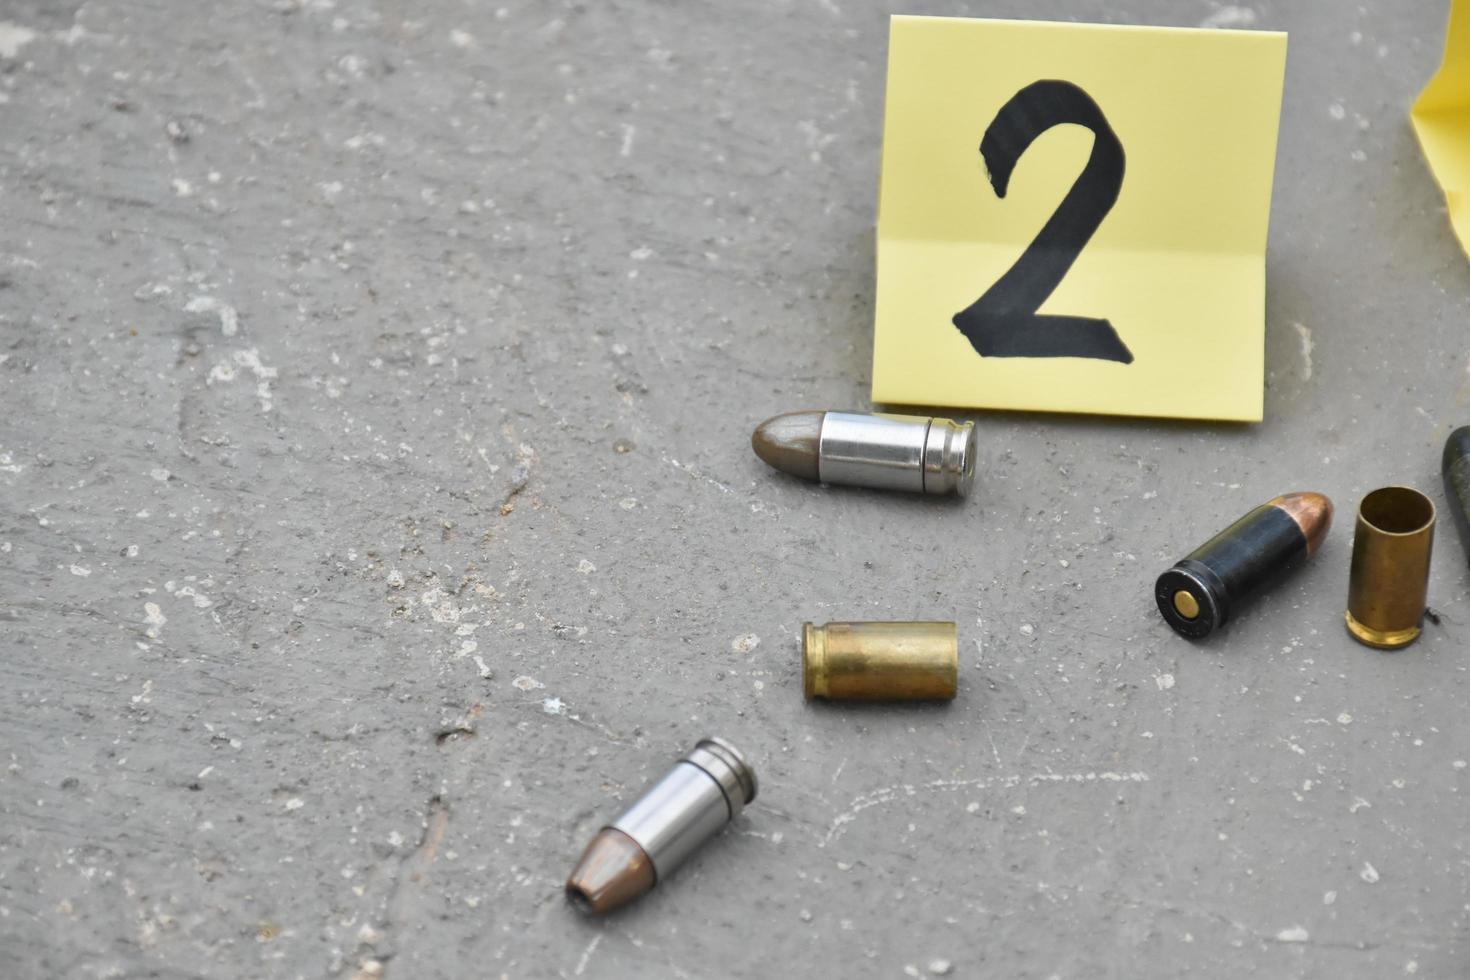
pixel 1200 592
pixel 887 452
pixel 880 661
pixel 1389 580
pixel 704 791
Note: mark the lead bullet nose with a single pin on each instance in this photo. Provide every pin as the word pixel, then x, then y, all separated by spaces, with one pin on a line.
pixel 790 443
pixel 613 871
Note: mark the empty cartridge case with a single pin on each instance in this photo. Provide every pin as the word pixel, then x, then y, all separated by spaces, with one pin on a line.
pixel 1201 591
pixel 880 661
pixel 704 791
pixel 886 452
pixel 1388 582
pixel 1456 470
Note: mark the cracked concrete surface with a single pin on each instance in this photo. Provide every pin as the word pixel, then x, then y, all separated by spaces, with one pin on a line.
pixel 376 381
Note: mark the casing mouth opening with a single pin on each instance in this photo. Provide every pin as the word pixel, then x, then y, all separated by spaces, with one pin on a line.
pixel 1396 510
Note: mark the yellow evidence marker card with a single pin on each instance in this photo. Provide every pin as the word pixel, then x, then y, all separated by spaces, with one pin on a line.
pixel 1441 118
pixel 1073 217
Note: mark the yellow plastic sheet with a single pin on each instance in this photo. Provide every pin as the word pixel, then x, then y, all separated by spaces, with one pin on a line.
pixel 1146 154
pixel 1441 118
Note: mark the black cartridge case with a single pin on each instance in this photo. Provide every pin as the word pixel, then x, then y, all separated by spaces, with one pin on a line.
pixel 1456 470
pixel 1201 592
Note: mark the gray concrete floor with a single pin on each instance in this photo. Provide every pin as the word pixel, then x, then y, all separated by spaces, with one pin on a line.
pixel 378 515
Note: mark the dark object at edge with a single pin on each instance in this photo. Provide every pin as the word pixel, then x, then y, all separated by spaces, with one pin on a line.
pixel 1456 470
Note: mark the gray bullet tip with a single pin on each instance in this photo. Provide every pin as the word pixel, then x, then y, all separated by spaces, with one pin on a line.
pixel 790 442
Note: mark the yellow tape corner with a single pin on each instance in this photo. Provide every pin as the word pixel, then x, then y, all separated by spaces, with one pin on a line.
pixel 1441 118
pixel 1073 217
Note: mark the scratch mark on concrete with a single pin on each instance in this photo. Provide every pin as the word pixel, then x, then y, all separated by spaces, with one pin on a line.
pixel 1304 334
pixel 696 474
pixel 887 794
pixel 587 955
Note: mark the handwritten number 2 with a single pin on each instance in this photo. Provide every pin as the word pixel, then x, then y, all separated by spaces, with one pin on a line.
pixel 1004 321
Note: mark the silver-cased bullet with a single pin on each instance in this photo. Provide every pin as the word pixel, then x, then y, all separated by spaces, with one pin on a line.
pixel 704 791
pixel 897 452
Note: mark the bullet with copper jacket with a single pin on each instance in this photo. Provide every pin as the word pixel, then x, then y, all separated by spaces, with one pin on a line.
pixel 887 452
pixel 1201 591
pixel 704 791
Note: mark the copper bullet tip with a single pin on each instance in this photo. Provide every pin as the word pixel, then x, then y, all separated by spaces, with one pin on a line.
pixel 1312 513
pixel 613 871
pixel 790 442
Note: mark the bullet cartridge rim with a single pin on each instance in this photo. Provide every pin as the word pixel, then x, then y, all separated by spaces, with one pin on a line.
pixel 1196 580
pixel 1381 639
pixel 736 777
pixel 949 457
pixel 813 661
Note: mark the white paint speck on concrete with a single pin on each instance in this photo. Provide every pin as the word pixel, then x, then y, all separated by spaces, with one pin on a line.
pixel 229 319
pixel 1304 337
pixel 586 956
pixel 745 642
pixel 154 618
pixel 1230 16
pixel 1294 934
pixel 225 371
pixel 13 37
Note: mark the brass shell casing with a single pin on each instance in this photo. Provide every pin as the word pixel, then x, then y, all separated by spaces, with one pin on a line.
pixel 1389 581
pixel 880 661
